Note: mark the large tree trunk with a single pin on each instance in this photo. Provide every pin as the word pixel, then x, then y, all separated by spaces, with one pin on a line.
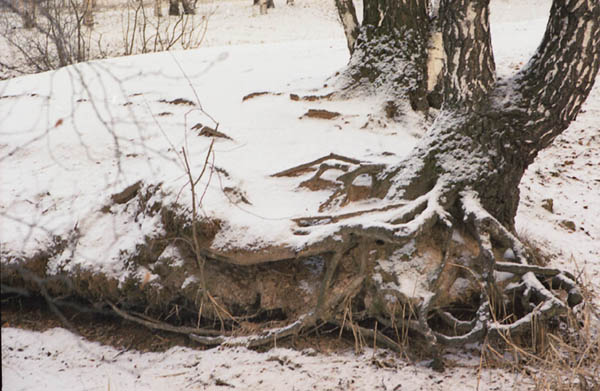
pixel 444 221
pixel 498 128
pixel 389 53
pixel 464 175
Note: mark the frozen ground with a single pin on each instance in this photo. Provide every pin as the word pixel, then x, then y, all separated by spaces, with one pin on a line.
pixel 83 133
pixel 56 359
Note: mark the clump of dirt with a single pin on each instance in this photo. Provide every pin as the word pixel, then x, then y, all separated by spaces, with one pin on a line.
pixel 33 313
pixel 127 194
pixel 321 114
pixel 310 98
pixel 257 94
pixel 102 326
pixel 236 195
pixel 207 131
pixel 178 101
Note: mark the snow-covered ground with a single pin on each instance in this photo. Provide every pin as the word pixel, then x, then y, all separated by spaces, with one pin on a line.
pixel 56 359
pixel 83 133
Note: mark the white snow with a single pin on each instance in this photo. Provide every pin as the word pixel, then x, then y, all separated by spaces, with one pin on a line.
pixel 57 359
pixel 70 139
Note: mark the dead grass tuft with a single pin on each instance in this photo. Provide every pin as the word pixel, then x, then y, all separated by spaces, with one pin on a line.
pixel 563 355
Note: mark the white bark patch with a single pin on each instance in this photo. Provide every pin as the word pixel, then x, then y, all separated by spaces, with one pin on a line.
pixel 587 34
pixel 349 27
pixel 471 18
pixel 435 61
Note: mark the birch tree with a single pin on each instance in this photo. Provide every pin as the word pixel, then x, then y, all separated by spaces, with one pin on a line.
pixel 446 212
pixel 425 258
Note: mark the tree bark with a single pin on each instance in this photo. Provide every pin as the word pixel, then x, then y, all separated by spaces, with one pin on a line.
pixel 174 7
pixel 88 15
pixel 349 21
pixel 157 8
pixel 393 36
pixel 470 68
pixel 268 3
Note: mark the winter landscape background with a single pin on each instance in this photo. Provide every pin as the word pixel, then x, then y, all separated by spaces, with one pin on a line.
pixel 71 138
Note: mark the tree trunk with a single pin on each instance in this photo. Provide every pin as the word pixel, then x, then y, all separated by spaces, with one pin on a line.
pixel 29 11
pixel 174 7
pixel 267 3
pixel 425 256
pixel 502 136
pixel 188 8
pixel 349 21
pixel 88 15
pixel 157 8
pixel 393 36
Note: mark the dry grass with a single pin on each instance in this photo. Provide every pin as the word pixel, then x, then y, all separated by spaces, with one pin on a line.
pixel 568 357
pixel 561 356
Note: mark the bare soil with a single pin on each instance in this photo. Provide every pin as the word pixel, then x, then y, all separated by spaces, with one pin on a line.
pixel 33 313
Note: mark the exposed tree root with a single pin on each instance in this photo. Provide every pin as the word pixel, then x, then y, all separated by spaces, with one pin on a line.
pixel 269 336
pixel 211 337
pixel 310 166
pixel 156 325
pixel 396 224
pixel 437 265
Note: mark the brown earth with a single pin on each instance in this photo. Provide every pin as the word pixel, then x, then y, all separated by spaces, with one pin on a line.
pixel 33 313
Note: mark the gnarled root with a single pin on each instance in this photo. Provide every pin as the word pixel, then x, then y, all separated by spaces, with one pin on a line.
pixel 437 265
pixel 513 292
pixel 535 299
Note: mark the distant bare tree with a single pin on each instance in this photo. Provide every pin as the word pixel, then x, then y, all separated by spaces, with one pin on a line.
pixel 59 32
pixel 88 12
pixel 264 5
pixel 188 8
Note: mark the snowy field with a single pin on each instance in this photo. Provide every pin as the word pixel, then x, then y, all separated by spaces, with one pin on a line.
pixel 82 133
pixel 56 359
